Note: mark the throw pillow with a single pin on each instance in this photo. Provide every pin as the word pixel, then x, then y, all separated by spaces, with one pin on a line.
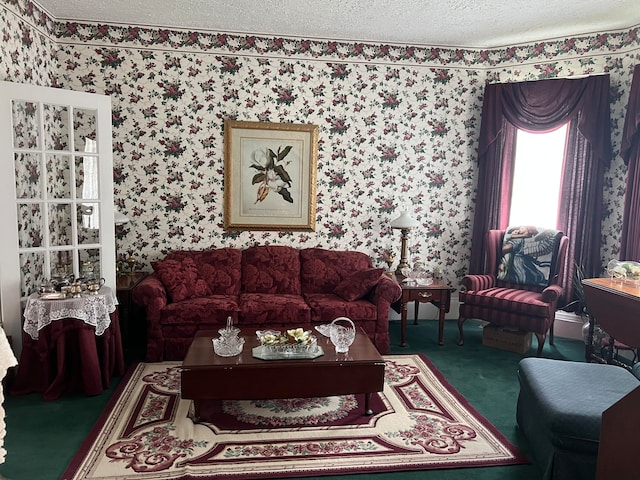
pixel 181 279
pixel 358 284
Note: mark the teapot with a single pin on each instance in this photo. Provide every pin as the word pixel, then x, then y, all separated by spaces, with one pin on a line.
pixel 47 286
pixel 94 285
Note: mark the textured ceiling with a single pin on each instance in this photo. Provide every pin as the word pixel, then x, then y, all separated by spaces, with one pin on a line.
pixel 453 23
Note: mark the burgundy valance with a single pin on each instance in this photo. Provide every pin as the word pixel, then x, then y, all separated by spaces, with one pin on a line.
pixel 544 105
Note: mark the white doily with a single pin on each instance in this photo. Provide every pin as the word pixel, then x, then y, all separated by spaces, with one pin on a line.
pixel 93 310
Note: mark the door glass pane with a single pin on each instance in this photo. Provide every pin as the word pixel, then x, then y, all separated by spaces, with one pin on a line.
pixel 60 228
pixel 89 261
pixel 28 173
pixel 84 130
pixel 26 124
pixel 88 223
pixel 87 186
pixel 59 176
pixel 30 225
pixel 31 272
pixel 61 263
pixel 56 128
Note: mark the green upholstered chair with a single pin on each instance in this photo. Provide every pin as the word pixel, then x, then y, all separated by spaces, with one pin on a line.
pixel 560 408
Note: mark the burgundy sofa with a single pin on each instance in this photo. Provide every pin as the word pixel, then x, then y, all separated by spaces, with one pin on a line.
pixel 260 287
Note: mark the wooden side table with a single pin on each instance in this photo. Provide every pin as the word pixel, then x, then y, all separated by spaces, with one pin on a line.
pixel 438 294
pixel 133 332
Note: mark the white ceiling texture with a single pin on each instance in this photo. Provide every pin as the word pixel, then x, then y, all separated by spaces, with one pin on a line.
pixel 445 23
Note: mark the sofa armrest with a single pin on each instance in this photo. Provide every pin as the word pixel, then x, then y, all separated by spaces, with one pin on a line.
pixel 150 291
pixel 387 290
pixel 151 294
pixel 552 293
pixel 383 295
pixel 478 282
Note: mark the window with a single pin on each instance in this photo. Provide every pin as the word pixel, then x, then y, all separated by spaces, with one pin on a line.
pixel 537 176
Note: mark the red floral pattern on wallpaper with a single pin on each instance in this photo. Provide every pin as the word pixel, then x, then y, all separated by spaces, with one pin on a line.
pixel 398 125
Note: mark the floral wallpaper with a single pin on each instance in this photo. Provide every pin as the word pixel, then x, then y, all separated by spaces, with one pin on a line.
pixel 398 126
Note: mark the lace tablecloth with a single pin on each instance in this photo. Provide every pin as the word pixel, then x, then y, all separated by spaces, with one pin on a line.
pixel 93 310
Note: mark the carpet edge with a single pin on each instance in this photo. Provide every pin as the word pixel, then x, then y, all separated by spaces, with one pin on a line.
pixel 76 460
pixel 519 456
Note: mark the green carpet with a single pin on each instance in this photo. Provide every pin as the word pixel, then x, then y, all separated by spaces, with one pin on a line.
pixel 42 437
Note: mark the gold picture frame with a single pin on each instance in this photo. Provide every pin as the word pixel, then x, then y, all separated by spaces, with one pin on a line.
pixel 270 174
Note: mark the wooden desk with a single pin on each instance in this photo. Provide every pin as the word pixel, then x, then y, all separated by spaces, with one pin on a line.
pixel 438 294
pixel 615 307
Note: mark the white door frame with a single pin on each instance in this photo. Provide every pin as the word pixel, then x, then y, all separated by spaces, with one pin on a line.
pixel 11 298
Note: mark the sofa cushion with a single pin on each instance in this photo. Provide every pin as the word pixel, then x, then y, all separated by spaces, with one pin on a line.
pixel 325 307
pixel 220 268
pixel 356 285
pixel 271 269
pixel 267 309
pixel 524 302
pixel 201 312
pixel 181 279
pixel 321 270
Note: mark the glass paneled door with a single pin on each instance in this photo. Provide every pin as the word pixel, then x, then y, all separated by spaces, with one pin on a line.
pixel 56 184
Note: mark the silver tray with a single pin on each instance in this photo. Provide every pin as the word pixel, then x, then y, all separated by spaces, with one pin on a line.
pixel 52 296
pixel 263 352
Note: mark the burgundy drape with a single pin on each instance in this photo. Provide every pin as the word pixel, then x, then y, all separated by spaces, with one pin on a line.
pixel 542 106
pixel 630 153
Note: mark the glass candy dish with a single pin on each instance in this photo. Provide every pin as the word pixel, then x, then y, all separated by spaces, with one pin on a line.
pixel 417 277
pixel 228 347
pixel 229 343
pixel 624 271
pixel 324 329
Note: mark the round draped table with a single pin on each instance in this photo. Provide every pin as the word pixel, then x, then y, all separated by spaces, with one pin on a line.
pixel 69 344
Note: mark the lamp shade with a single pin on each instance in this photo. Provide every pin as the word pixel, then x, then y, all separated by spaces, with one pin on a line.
pixel 404 221
pixel 119 218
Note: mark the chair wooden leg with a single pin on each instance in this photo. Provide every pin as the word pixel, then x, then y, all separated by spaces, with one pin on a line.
pixel 461 320
pixel 541 338
pixel 551 331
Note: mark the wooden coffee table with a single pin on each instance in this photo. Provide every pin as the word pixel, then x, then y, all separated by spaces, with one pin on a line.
pixel 207 376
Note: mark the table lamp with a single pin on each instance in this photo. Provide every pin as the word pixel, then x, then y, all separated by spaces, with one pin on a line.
pixel 404 223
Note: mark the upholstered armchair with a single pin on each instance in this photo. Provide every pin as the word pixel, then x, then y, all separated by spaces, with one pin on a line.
pixel 510 294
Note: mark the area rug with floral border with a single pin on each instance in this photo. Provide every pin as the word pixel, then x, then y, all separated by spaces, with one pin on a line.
pixel 420 422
